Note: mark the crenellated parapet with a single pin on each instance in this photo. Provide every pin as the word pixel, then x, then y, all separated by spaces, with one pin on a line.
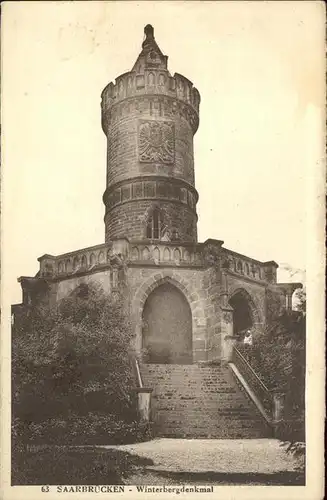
pixel 149 86
pixel 172 95
pixel 149 118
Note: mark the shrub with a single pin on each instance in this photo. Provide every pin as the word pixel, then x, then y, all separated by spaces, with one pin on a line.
pixel 72 374
pixel 278 356
pixel 90 429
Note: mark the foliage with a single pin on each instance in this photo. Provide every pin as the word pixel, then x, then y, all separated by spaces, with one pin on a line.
pixel 73 429
pixel 278 357
pixel 301 300
pixel 71 368
pixel 273 301
pixel 74 466
pixel 296 449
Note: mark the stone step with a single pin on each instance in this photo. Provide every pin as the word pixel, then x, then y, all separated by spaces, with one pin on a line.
pixel 200 401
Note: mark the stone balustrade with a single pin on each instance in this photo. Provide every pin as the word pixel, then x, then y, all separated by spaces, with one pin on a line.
pixel 251 268
pixel 74 262
pixel 150 252
pixel 88 259
pixel 166 253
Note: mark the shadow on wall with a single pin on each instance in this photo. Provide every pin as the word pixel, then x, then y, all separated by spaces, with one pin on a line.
pixel 242 314
pixel 167 326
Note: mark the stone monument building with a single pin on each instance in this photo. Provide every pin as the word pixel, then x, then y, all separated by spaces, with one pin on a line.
pixel 188 300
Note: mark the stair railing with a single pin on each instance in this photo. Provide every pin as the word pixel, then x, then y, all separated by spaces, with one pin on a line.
pixel 264 395
pixel 138 373
pixel 143 394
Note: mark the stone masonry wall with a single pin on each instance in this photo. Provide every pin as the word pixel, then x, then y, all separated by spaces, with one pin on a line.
pixel 202 287
pixel 122 141
pixel 124 163
pixel 130 218
pixel 194 283
pixel 65 287
pixel 256 295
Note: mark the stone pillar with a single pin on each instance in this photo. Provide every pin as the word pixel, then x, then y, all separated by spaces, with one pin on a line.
pixel 286 290
pixel 144 403
pixel 278 414
pixel 200 353
pixel 226 323
pixel 227 338
pixel 289 301
pixel 137 341
pixel 214 352
pixel 120 247
pixel 278 406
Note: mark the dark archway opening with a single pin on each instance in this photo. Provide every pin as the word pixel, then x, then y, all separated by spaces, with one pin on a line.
pixel 167 326
pixel 242 316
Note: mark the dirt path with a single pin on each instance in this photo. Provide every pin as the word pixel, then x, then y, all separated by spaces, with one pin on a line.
pixel 217 455
pixel 213 461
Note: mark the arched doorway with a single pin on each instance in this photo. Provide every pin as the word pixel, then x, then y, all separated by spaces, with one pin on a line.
pixel 167 326
pixel 242 313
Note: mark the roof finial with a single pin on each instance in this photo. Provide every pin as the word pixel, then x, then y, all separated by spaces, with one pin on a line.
pixel 149 31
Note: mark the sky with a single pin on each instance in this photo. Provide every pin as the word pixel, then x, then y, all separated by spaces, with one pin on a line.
pixel 258 68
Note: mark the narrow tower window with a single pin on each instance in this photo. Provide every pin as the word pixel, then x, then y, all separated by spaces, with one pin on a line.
pixel 153 229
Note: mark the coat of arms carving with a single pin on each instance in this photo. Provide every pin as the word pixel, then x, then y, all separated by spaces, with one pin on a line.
pixel 156 142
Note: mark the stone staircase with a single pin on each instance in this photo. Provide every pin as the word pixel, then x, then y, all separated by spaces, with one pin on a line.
pixel 201 401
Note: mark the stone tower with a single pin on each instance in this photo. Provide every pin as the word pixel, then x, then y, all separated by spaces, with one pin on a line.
pixel 150 118
pixel 189 302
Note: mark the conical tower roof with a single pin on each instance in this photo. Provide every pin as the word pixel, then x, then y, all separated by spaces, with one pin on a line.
pixel 151 56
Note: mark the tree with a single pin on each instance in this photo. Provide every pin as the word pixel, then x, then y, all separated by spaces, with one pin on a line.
pixel 71 368
pixel 301 300
pixel 278 357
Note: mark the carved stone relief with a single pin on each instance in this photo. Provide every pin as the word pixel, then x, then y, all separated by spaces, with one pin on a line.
pixel 156 142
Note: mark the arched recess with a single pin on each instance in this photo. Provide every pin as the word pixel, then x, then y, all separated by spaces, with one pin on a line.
pixel 156 223
pixel 245 312
pixel 141 295
pixel 167 326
